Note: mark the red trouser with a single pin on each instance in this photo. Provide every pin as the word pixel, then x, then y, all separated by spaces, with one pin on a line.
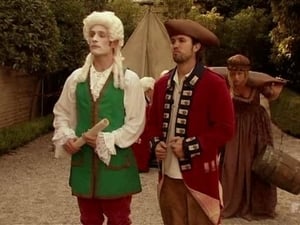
pixel 93 210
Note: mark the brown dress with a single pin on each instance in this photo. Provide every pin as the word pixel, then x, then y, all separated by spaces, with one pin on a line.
pixel 244 194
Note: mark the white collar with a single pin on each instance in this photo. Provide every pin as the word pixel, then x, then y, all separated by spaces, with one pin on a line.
pixel 105 73
pixel 176 79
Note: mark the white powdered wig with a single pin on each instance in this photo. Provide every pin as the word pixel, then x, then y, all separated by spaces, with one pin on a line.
pixel 115 30
pixel 147 83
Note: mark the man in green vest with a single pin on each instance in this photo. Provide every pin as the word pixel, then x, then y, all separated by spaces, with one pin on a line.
pixel 103 173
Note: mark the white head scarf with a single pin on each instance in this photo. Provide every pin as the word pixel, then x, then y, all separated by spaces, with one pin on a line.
pixel 116 32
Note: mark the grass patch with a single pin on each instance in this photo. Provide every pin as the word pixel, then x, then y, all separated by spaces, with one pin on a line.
pixel 17 135
pixel 285 112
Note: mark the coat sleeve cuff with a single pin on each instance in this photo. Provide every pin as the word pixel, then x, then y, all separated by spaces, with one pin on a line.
pixel 191 147
pixel 153 142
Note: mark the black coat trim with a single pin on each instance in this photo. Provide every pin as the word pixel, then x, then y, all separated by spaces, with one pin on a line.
pixel 191 145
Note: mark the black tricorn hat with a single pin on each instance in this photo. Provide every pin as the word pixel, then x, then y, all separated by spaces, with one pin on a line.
pixel 192 29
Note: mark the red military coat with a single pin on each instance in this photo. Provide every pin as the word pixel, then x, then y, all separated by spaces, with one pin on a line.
pixel 205 120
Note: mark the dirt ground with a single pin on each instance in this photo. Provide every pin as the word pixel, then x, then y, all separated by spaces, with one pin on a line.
pixel 34 190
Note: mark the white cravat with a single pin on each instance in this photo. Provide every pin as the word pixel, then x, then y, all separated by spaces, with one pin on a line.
pixel 97 81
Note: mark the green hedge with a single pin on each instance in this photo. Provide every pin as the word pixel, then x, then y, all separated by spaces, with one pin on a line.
pixel 29 37
pixel 20 134
pixel 285 112
pixel 69 15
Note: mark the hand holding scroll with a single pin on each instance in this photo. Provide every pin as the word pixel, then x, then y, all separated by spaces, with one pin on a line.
pixel 73 145
pixel 91 134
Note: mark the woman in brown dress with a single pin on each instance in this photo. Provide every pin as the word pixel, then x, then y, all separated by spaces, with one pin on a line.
pixel 244 193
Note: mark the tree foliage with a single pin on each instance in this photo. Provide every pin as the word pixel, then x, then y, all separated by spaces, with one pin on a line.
pixel 176 8
pixel 94 5
pixel 46 36
pixel 248 33
pixel 230 8
pixel 286 39
pixel 69 15
pixel 213 21
pixel 129 12
pixel 29 37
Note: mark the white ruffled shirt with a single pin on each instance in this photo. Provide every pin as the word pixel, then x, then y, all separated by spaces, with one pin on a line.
pixel 65 114
pixel 97 81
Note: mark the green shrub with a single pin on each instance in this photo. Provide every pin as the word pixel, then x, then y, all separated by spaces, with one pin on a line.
pixel 285 112
pixel 176 8
pixel 286 40
pixel 245 33
pixel 95 5
pixel 29 37
pixel 69 15
pixel 214 22
pixel 20 134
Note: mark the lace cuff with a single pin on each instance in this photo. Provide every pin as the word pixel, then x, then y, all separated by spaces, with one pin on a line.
pixel 105 146
pixel 61 136
pixel 59 139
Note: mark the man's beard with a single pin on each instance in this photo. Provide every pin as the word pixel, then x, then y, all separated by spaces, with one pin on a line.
pixel 179 58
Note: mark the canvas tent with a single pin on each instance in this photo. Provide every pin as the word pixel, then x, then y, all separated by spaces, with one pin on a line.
pixel 148 50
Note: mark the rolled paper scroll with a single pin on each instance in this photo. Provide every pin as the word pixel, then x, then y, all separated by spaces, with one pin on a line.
pixel 59 151
pixel 102 124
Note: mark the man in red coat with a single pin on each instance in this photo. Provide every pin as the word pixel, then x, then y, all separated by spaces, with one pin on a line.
pixel 191 117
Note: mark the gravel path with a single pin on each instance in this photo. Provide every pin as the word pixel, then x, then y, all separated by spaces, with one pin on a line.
pixel 34 190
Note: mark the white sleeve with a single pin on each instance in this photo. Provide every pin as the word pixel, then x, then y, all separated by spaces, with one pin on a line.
pixel 65 115
pixel 135 105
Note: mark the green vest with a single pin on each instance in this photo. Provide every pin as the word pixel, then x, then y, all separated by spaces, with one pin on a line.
pixel 89 176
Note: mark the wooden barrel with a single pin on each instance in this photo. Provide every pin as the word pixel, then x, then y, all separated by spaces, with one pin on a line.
pixel 278 168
